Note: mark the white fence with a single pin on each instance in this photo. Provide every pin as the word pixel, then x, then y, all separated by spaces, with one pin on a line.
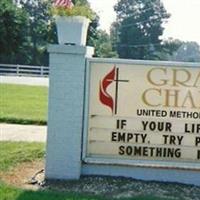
pixel 24 70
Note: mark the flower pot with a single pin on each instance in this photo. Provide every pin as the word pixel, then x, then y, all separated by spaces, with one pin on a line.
pixel 72 29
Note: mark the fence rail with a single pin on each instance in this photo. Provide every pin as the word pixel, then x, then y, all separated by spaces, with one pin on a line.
pixel 24 70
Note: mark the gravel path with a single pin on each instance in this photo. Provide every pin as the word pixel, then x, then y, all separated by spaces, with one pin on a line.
pixel 124 188
pixel 29 133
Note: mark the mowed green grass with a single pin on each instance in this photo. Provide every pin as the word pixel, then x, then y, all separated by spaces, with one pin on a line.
pixel 10 193
pixel 23 104
pixel 14 153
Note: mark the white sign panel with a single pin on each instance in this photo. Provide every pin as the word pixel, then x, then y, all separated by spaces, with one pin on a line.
pixel 143 112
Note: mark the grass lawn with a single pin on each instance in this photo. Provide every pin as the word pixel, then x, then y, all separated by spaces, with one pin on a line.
pixel 9 193
pixel 14 153
pixel 23 104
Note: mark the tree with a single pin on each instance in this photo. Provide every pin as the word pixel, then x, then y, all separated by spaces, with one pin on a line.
pixel 103 45
pixel 138 28
pixel 187 52
pixel 13 32
pixel 98 38
pixel 41 30
pixel 168 48
pixel 82 2
pixel 27 27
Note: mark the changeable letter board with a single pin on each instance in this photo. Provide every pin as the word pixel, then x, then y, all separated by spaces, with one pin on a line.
pixel 142 113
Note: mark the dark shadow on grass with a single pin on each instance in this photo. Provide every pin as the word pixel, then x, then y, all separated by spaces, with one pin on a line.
pixel 11 193
pixel 49 195
pixel 22 121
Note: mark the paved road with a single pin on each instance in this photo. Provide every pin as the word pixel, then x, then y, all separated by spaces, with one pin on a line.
pixel 28 133
pixel 21 80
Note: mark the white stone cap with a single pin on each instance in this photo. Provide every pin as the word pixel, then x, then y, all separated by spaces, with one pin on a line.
pixel 71 49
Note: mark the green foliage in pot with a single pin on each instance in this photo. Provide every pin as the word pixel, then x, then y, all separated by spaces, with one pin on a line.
pixel 76 10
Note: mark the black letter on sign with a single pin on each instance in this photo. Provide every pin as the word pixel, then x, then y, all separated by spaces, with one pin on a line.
pixel 121 150
pixel 121 123
pixel 197 143
pixel 198 154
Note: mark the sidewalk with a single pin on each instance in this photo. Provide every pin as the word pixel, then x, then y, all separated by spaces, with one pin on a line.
pixel 28 133
pixel 23 80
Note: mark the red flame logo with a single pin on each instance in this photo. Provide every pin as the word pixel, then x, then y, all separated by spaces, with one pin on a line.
pixel 104 97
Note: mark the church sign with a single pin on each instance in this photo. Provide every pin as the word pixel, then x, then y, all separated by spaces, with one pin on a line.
pixel 127 118
pixel 143 114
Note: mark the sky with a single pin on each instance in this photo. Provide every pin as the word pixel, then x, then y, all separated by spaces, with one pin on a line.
pixel 184 23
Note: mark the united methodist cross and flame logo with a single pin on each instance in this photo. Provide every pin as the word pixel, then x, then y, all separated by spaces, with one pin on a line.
pixel 105 98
